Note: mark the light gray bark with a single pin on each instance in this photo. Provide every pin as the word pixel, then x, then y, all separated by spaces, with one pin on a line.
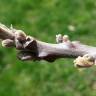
pixel 33 49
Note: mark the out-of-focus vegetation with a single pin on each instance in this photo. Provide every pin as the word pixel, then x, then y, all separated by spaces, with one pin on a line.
pixel 44 19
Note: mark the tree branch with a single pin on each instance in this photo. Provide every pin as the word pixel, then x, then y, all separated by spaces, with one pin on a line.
pixel 32 49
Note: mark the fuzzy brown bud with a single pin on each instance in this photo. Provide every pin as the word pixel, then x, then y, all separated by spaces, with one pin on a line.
pixel 20 35
pixel 8 43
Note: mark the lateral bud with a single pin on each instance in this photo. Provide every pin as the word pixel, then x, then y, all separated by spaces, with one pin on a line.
pixel 20 35
pixel 85 61
pixel 59 38
pixel 8 43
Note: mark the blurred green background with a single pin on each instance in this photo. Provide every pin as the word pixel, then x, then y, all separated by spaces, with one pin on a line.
pixel 44 19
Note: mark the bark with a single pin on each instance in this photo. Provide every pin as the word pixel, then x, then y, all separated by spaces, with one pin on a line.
pixel 31 48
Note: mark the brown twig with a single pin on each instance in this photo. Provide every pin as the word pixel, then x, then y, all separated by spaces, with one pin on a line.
pixel 33 49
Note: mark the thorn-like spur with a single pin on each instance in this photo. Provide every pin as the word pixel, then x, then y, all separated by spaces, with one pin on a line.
pixel 11 27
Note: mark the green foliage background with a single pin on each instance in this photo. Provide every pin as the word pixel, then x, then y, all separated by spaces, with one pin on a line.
pixel 43 19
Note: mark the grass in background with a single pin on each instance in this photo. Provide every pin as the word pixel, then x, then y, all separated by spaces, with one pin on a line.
pixel 44 19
